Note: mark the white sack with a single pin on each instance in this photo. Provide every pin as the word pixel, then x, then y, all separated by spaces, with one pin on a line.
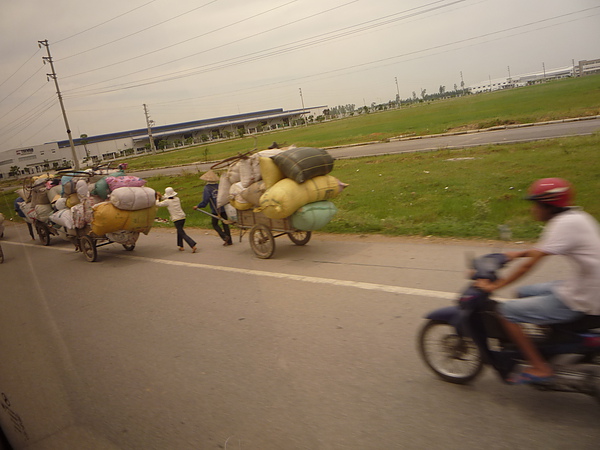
pixel 43 212
pixel 63 217
pixel 249 171
pixel 133 198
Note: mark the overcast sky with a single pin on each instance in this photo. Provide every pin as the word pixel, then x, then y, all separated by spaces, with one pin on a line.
pixel 197 59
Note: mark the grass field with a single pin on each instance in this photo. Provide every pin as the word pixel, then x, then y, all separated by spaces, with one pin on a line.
pixel 452 193
pixel 555 100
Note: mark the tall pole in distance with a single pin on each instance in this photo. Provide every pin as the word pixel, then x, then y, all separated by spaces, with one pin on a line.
pixel 149 123
pixel 303 114
pixel 60 100
pixel 397 93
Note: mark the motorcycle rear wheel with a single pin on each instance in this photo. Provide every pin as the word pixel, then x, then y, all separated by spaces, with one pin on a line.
pixel 453 358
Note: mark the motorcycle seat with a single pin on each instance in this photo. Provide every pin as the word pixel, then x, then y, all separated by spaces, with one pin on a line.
pixel 583 324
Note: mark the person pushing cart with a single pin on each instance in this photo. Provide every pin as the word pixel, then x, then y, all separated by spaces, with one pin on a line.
pixel 218 215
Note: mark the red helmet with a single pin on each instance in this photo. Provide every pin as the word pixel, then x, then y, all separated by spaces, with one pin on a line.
pixel 551 191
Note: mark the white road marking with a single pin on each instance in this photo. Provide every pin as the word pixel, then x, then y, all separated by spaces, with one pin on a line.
pixel 282 276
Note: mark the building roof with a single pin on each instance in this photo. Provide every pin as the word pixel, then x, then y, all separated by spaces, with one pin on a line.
pixel 191 126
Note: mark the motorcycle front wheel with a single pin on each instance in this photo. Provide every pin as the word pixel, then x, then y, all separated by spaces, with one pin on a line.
pixel 451 357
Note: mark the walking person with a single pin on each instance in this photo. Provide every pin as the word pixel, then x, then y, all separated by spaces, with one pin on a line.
pixel 19 211
pixel 173 204
pixel 209 197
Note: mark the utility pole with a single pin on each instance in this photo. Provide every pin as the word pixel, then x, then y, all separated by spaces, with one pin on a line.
pixel 60 100
pixel 397 93
pixel 149 123
pixel 544 67
pixel 303 115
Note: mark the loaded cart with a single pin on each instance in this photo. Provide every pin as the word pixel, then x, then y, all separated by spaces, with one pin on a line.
pixel 90 208
pixel 264 230
pixel 278 191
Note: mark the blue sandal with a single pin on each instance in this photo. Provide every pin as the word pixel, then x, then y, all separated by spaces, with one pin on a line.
pixel 527 378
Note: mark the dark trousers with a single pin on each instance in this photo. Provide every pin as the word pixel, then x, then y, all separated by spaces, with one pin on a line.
pixel 181 235
pixel 30 227
pixel 223 232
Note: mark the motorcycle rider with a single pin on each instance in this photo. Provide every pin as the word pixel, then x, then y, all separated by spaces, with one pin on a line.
pixel 570 232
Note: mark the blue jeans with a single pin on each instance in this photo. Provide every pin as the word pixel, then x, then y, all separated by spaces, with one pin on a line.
pixel 538 304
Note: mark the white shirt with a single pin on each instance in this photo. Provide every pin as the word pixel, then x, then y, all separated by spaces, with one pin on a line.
pixel 576 235
pixel 174 206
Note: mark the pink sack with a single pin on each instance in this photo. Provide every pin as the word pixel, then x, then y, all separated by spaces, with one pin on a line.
pixel 124 181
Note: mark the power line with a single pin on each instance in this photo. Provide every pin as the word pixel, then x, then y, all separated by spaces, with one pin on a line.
pixel 16 106
pixel 21 85
pixel 225 63
pixel 202 69
pixel 20 67
pixel 213 48
pixel 137 32
pixel 103 23
pixel 362 66
pixel 153 52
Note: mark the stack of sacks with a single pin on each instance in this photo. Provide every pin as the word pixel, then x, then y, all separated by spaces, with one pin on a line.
pixel 36 204
pixel 293 182
pixel 130 207
pixel 242 185
pixel 71 201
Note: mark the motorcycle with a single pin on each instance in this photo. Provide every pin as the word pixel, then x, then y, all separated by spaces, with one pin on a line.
pixel 457 341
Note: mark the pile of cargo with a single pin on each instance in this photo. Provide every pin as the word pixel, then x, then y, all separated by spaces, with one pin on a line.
pixel 289 183
pixel 105 203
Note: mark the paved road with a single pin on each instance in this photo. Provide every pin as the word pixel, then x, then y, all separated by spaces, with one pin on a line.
pixel 313 349
pixel 521 133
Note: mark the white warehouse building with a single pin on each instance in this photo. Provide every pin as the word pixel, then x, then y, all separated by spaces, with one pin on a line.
pixel 55 155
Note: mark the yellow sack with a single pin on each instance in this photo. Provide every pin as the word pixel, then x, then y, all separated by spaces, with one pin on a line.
pixel 72 200
pixel 286 196
pixel 108 219
pixel 269 171
pixel 240 206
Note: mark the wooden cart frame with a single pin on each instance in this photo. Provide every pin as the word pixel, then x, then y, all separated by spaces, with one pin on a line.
pixel 264 230
pixel 83 240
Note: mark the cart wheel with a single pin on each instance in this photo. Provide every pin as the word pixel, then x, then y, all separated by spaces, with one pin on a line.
pixel 87 246
pixel 129 248
pixel 300 237
pixel 43 233
pixel 262 241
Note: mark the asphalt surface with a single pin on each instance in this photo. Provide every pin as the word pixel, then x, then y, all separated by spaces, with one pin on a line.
pixel 312 349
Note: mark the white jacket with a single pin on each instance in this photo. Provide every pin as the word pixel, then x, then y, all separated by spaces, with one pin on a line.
pixel 174 206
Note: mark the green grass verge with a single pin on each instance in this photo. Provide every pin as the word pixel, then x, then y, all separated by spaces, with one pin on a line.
pixel 450 193
pixel 550 101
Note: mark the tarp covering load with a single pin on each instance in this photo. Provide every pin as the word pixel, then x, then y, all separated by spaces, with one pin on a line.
pixel 279 182
pixel 303 163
